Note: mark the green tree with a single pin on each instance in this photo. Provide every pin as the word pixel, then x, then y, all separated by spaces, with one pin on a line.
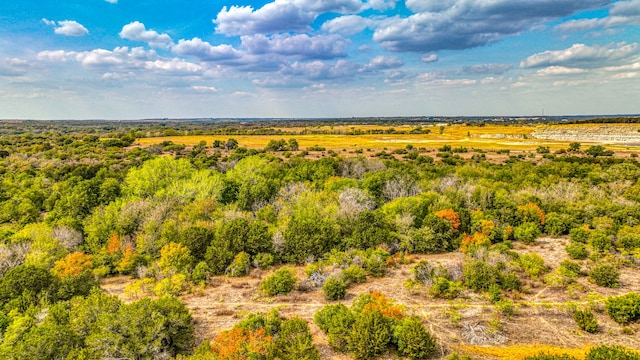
pixel 295 342
pixel 335 321
pixel 527 232
pixel 24 284
pixel 293 145
pixel 175 258
pixel 282 281
pixel 307 236
pixel 370 229
pixel 624 309
pixel 600 240
pixel 413 339
pixel 196 239
pixel 334 288
pixel 47 341
pixel 258 239
pixel 574 147
pixel 370 335
pixel 178 328
pixel 240 265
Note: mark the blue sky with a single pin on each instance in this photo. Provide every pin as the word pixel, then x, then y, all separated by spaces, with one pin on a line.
pixel 131 59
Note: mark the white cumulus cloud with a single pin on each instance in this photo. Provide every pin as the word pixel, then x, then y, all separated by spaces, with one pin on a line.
pixel 67 27
pixel 136 31
pixel 559 70
pixel 621 13
pixel 347 25
pixel 205 51
pixel 383 63
pixel 581 55
pixel 429 58
pixel 300 45
pixel 279 16
pixel 463 24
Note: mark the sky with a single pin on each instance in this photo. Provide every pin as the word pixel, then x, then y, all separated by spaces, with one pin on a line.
pixel 134 59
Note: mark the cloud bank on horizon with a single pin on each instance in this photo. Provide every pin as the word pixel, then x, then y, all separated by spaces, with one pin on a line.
pixel 307 58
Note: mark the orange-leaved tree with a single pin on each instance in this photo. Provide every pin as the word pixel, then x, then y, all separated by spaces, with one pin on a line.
pixel 73 264
pixel 239 343
pixel 385 305
pixel 474 241
pixel 114 245
pixel 451 216
pixel 531 212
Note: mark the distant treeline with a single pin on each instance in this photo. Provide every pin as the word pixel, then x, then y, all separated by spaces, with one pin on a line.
pixel 609 120
pixel 211 126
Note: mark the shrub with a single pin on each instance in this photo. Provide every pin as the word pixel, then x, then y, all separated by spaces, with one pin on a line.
pixel 422 240
pixel 624 309
pixel 280 282
pixel 479 275
pixel 445 288
pixel 269 322
pixel 174 258
pixel 579 234
pixel 628 237
pixel 332 317
pixel 586 320
pixel 263 260
pixel 533 265
pixel 173 285
pixel 295 342
pixel 370 228
pixel 527 232
pixel 336 322
pixel 370 335
pixel 577 250
pixel 240 266
pixel 376 301
pixel 375 264
pixel 25 283
pixel 531 212
pixel 600 240
pixel 605 275
pixel 557 224
pixel 509 281
pixel 569 268
pixel 334 288
pixel 471 243
pixel 354 274
pixel 413 339
pixel 201 272
pixel 451 216
pixel 506 307
pixel 495 293
pixel 423 272
pixel 605 352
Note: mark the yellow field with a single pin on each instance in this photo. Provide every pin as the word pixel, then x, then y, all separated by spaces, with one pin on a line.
pixel 488 137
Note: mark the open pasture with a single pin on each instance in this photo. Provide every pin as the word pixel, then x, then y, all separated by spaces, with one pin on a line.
pixel 488 137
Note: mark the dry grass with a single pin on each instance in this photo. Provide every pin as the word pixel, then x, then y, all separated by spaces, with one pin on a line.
pixel 519 352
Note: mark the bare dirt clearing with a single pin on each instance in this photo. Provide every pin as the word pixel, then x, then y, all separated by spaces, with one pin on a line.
pixel 542 314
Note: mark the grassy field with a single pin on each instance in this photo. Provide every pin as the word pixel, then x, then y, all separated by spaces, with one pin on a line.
pixel 489 137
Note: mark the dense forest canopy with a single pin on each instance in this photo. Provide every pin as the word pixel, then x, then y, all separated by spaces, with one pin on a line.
pixel 82 203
